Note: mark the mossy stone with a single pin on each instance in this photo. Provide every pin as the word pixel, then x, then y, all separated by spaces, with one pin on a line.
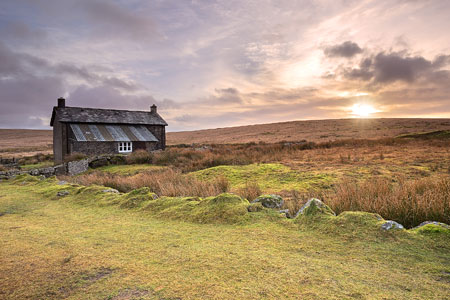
pixel 270 201
pixel 315 207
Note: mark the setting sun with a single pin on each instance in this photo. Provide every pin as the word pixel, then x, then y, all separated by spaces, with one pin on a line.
pixel 363 110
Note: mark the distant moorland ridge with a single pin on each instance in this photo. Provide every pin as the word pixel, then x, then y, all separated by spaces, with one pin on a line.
pixel 28 142
pixel 311 130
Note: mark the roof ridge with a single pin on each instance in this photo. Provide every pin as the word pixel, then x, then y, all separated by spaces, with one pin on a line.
pixel 145 111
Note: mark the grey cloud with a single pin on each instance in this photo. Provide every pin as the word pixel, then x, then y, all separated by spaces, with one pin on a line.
pixel 29 87
pixel 112 20
pixel 441 61
pixel 20 30
pixel 91 77
pixel 21 64
pixel 228 95
pixel 347 49
pixel 385 68
pixel 107 97
pixel 392 67
pixel 26 100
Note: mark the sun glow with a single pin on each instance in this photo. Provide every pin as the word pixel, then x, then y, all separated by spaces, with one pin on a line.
pixel 363 110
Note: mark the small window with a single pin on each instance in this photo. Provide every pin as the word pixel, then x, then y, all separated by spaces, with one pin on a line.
pixel 125 147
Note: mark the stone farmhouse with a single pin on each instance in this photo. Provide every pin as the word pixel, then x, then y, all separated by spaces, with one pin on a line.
pixel 95 131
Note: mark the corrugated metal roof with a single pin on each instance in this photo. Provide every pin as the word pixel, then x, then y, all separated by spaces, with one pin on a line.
pixel 105 116
pixel 111 133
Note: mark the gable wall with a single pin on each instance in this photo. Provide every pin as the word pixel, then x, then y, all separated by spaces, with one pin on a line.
pixel 60 134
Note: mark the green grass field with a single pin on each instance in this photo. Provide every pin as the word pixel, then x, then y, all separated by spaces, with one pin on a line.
pixel 95 245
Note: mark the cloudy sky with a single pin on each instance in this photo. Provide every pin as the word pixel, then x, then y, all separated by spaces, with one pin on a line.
pixel 217 63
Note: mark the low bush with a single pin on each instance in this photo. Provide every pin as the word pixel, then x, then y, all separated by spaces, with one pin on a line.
pixel 250 192
pixel 139 157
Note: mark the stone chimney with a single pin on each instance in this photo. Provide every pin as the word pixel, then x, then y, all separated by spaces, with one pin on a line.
pixel 61 102
pixel 153 109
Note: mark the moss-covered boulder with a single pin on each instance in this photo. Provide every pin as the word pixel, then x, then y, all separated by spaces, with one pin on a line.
pixel 432 227
pixel 315 207
pixel 270 201
pixel 137 197
pixel 224 208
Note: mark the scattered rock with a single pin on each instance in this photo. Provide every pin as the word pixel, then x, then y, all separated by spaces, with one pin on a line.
pixel 432 227
pixel 60 169
pixel 269 201
pixel 114 191
pixel 433 223
pixel 62 182
pixel 388 225
pixel 315 207
pixel 62 193
pixel 286 212
pixel 98 162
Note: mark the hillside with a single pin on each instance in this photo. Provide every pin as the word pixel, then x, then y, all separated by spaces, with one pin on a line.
pixel 23 142
pixel 314 130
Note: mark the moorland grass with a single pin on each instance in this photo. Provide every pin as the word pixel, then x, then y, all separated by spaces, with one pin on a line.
pixel 86 245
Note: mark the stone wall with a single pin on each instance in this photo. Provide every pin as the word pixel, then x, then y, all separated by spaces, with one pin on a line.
pixel 160 133
pixel 8 162
pixel 77 167
pixel 46 172
pixel 68 168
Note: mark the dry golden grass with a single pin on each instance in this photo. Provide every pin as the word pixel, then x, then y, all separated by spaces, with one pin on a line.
pixel 409 202
pixel 163 182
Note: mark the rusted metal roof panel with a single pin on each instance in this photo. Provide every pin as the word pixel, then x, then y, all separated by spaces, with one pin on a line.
pixel 111 133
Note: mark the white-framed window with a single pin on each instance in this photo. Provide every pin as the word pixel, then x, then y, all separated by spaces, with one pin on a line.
pixel 125 147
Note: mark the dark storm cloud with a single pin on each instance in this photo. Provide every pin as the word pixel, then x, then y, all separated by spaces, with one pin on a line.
pixel 347 49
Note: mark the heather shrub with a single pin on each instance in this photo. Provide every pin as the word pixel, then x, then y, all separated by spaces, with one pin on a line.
pixel 139 157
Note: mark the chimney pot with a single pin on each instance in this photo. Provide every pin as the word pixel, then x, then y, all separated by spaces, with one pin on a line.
pixel 153 109
pixel 61 102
